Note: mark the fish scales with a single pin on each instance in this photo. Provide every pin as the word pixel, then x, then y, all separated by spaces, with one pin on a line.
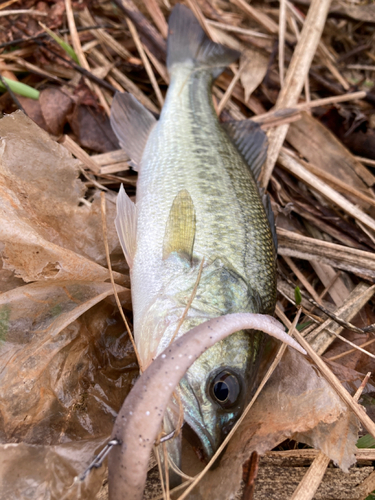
pixel 188 149
pixel 197 201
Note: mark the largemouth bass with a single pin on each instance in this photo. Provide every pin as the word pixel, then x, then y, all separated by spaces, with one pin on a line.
pixel 200 225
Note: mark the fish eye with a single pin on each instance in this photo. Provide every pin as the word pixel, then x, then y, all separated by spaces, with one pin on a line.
pixel 225 389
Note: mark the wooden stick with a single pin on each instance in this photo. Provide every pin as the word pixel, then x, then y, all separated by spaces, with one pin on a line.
pixel 312 479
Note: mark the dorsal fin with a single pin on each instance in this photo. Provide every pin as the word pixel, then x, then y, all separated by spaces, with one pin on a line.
pixel 250 141
pixel 132 124
pixel 126 225
pixel 266 200
pixel 180 230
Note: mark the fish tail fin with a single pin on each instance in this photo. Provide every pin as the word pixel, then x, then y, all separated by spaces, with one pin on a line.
pixel 187 42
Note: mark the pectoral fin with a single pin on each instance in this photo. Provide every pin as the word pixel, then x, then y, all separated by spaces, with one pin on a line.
pixel 126 225
pixel 180 230
pixel 132 124
pixel 250 141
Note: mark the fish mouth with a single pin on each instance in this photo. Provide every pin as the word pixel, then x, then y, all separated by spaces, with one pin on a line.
pixel 200 439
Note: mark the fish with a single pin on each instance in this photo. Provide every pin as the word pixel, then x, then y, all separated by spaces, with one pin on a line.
pixel 200 241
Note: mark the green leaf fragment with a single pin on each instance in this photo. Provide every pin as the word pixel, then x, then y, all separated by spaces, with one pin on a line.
pixel 65 46
pixel 301 326
pixel 19 88
pixel 366 441
pixel 4 321
pixel 297 295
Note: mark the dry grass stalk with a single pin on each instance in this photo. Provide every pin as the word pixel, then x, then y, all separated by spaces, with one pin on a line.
pixel 282 30
pixel 366 161
pixel 327 275
pixel 338 183
pixel 105 37
pixel 156 14
pixel 160 68
pixel 116 167
pixel 302 278
pixel 236 29
pixel 28 12
pixel 257 16
pixel 295 167
pixel 36 69
pixel 80 154
pixel 146 62
pixel 229 91
pixel 128 84
pixel 355 346
pixel 81 55
pixel 322 337
pixel 199 15
pixel 361 454
pixel 105 159
pixel 339 256
pixel 343 354
pixel 7 4
pixel 296 76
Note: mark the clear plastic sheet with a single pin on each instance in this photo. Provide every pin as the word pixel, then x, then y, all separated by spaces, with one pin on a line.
pixel 49 472
pixel 47 360
pixel 66 365
pixel 66 362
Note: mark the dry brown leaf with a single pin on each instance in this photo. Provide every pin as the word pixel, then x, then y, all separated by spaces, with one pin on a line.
pixel 253 67
pixel 55 106
pixel 45 234
pixel 93 129
pixel 326 152
pixel 34 111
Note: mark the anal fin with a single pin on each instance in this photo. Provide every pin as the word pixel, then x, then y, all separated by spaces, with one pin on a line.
pixel 180 230
pixel 132 124
pixel 250 141
pixel 126 225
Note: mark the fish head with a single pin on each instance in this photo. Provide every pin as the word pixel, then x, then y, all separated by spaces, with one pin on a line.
pixel 218 385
